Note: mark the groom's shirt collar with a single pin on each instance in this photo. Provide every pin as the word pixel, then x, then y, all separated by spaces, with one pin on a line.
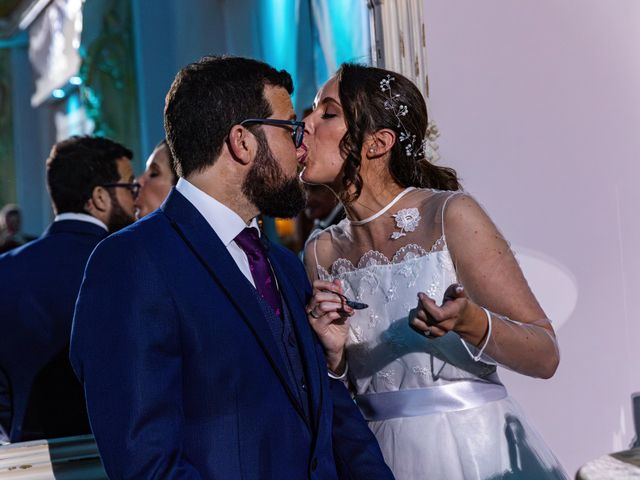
pixel 80 217
pixel 225 222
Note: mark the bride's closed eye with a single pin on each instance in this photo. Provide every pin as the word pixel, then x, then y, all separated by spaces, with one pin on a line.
pixel 327 115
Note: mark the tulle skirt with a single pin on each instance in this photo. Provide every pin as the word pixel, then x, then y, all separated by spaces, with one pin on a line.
pixel 489 442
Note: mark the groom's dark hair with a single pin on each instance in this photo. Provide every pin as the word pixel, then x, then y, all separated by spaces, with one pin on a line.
pixel 207 98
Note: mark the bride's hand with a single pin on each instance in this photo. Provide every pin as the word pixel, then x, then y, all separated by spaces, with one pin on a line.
pixel 329 315
pixel 457 313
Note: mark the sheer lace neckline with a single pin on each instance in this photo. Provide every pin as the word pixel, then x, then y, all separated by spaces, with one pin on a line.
pixel 384 209
pixel 374 258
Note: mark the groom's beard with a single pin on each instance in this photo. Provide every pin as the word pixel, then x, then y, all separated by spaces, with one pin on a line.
pixel 267 187
pixel 119 218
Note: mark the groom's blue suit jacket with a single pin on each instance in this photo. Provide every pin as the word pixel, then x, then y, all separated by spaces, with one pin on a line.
pixel 182 373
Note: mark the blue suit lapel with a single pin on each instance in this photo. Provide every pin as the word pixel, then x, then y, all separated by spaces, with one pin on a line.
pixel 206 246
pixel 306 344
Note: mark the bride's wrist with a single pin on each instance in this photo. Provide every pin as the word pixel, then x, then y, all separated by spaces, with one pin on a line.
pixel 336 362
pixel 474 329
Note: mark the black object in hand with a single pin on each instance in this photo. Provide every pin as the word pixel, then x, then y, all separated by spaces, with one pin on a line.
pixel 352 303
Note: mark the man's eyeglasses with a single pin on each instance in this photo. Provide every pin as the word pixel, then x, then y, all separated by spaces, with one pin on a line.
pixel 134 188
pixel 297 134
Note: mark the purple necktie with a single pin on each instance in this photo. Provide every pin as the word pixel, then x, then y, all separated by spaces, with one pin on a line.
pixel 249 241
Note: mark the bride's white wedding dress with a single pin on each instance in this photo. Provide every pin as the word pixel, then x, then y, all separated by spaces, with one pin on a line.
pixel 437 412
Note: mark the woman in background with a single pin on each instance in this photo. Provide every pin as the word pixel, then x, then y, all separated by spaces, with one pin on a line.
pixel 156 181
pixel 445 298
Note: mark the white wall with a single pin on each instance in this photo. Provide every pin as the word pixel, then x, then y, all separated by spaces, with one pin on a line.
pixel 538 103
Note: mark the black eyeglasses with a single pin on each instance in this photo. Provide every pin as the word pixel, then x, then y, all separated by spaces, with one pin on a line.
pixel 297 134
pixel 134 188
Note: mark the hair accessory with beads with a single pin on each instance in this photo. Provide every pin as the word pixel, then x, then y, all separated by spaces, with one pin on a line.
pixel 413 148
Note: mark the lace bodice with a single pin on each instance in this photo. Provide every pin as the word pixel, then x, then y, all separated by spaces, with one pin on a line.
pixel 384 353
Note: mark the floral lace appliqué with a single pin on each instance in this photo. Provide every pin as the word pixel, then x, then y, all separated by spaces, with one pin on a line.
pixel 407 220
pixel 446 263
pixel 387 377
pixel 434 286
pixel 421 371
pixel 368 285
pixel 392 292
pixel 357 334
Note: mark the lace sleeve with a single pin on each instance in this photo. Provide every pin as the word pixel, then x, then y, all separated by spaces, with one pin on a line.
pixel 311 259
pixel 316 251
pixel 521 337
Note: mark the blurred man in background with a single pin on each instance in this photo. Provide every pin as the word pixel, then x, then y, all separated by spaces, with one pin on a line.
pixel 90 181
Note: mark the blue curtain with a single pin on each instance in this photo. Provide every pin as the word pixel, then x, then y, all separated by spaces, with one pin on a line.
pixel 341 34
pixel 311 38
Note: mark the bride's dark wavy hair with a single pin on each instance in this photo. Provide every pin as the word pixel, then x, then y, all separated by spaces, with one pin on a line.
pixel 363 104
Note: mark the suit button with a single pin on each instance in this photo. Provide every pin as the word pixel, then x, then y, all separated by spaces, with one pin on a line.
pixel 314 464
pixel 302 384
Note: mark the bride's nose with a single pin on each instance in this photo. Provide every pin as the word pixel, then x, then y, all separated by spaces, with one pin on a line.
pixel 308 124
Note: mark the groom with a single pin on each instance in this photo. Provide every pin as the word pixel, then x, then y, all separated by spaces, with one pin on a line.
pixel 190 333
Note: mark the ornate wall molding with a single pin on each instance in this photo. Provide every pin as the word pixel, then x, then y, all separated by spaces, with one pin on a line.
pixel 398 43
pixel 108 91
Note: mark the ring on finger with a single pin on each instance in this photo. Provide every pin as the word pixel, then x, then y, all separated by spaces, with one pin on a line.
pixel 427 332
pixel 313 313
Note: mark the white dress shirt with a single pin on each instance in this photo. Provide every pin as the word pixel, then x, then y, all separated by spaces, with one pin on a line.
pixel 82 217
pixel 225 222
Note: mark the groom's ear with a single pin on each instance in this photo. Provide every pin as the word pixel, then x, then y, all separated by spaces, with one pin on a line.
pixel 242 144
pixel 379 143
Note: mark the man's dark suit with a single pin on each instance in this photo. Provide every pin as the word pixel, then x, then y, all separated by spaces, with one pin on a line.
pixel 183 374
pixel 39 283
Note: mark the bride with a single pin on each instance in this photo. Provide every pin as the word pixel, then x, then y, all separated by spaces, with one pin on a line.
pixel 445 298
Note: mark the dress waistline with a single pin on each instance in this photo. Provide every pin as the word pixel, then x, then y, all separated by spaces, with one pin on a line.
pixel 461 395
